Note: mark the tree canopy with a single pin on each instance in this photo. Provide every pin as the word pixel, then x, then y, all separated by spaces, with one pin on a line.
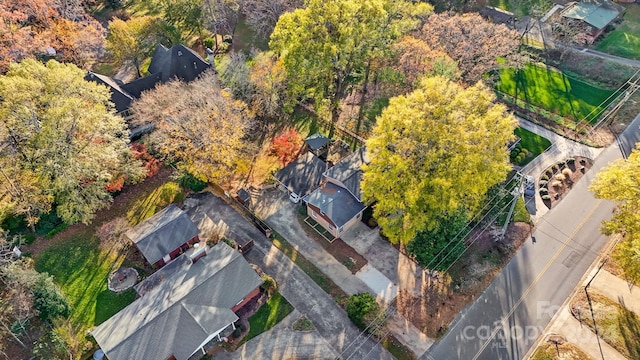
pixel 63 142
pixel 198 126
pixel 136 39
pixel 435 151
pixel 59 29
pixel 620 183
pixel 326 45
pixel 477 45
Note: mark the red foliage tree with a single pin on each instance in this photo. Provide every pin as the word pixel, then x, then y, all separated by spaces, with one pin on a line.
pixel 152 164
pixel 286 146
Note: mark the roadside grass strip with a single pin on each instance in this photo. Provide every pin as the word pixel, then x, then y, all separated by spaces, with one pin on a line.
pixel 553 91
pixel 617 325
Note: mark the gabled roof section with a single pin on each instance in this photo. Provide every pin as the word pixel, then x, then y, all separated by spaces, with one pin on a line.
pixel 138 86
pixel 162 233
pixel 178 61
pixel 178 314
pixel 595 13
pixel 316 141
pixel 349 171
pixel 303 174
pixel 336 203
pixel 119 96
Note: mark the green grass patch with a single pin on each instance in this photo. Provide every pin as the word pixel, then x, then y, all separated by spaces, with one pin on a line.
pixel 81 269
pixel 520 213
pixel 530 146
pixel 244 38
pixel 549 351
pixel 142 209
pixel 397 349
pixel 624 41
pixel 551 90
pixel 271 313
pixel 523 7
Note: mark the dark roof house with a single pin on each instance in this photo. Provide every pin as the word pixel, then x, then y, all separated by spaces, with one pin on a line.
pixel 317 143
pixel 302 175
pixel 337 203
pixel 177 62
pixel 348 172
pixel 160 235
pixel 185 306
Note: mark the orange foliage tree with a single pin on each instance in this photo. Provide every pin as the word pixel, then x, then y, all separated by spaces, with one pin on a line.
pixel 286 146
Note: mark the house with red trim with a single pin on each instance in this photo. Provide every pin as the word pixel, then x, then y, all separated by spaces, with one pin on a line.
pixel 164 236
pixel 183 307
pixel 337 203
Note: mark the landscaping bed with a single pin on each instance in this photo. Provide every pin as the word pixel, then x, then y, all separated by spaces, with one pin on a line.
pixel 557 180
pixel 341 251
pixel 529 147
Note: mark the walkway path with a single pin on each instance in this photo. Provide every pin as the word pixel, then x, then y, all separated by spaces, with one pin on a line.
pixel 560 149
pixel 275 207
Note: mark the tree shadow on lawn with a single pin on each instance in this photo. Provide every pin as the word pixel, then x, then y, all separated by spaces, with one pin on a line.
pixel 629 325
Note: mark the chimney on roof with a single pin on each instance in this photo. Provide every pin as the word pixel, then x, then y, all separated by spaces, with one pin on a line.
pixel 197 251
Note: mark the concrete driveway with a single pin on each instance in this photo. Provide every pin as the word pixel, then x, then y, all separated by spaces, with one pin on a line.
pixel 334 331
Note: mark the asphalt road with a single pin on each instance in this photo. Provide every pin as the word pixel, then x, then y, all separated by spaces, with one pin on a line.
pixel 508 317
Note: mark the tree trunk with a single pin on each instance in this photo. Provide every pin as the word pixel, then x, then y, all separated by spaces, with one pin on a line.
pixel 365 87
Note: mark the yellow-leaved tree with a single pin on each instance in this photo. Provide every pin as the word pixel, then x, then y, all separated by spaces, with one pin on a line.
pixel 620 183
pixel 434 152
pixel 199 126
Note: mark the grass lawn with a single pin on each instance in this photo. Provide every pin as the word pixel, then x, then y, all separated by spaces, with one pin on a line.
pixel 81 269
pixel 567 351
pixel 551 90
pixel 530 144
pixel 624 41
pixel 617 325
pixel 523 8
pixel 271 313
pixel 163 195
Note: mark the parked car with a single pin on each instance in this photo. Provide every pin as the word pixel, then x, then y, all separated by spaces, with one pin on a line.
pixel 529 186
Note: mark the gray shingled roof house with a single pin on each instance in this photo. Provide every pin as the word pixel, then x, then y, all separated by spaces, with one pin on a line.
pixel 163 236
pixel 337 204
pixel 302 175
pixel 176 62
pixel 188 305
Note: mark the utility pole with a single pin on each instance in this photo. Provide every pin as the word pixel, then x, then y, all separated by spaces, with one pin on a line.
pixel 595 327
pixel 516 192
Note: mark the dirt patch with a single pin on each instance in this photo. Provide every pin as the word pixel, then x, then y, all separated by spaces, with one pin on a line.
pixel 565 351
pixel 556 181
pixel 445 295
pixel 340 250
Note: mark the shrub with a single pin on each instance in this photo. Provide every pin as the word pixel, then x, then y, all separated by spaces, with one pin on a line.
pixel 269 284
pixel 571 161
pixel 583 161
pixel 555 168
pixel 363 309
pixel 209 42
pixel 514 153
pixel 567 172
pixel 556 184
pixel 48 300
pixel 544 177
pixel 372 222
pixel 560 177
pixel 545 197
pixel 543 191
pixel 561 164
pixel 549 173
pixel 542 183
pixel 191 182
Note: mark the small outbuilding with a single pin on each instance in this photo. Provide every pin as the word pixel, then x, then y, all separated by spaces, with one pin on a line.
pixel 318 144
pixel 595 15
pixel 164 236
